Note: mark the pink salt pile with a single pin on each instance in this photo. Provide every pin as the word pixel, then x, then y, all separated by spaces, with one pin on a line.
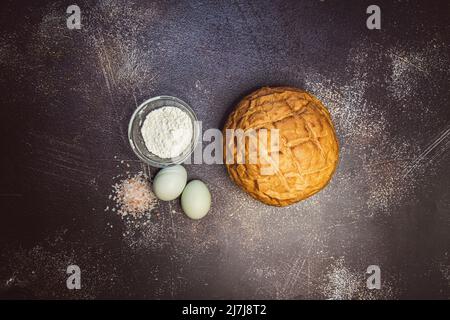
pixel 133 196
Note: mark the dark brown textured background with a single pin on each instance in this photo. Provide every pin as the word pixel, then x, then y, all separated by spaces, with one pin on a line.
pixel 67 95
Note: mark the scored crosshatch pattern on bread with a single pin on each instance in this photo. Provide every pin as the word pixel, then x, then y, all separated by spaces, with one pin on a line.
pixel 308 147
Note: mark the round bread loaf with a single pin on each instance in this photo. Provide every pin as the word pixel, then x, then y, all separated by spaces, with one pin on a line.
pixel 306 154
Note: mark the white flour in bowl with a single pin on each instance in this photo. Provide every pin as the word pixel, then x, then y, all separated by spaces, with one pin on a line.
pixel 167 132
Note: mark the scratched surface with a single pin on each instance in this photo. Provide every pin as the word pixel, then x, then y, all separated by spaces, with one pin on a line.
pixel 66 98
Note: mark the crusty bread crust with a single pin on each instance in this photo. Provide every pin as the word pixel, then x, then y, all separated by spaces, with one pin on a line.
pixel 309 149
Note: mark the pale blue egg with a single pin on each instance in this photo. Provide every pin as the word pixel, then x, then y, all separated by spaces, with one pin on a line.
pixel 169 182
pixel 196 199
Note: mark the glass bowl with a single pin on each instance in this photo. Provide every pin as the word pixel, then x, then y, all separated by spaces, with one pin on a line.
pixel 137 141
